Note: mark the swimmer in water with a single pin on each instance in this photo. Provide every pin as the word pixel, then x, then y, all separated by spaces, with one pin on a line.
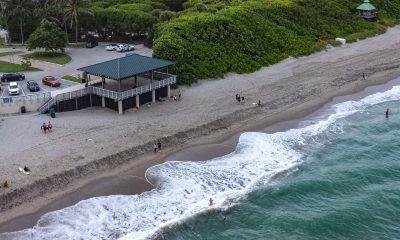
pixel 225 220
pixel 210 202
pixel 387 113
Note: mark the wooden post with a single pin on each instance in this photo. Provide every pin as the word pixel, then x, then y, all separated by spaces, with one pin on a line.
pixel 137 101
pixel 153 96
pixel 120 85
pixel 103 101
pixel 103 79
pixel 152 76
pixel 136 81
pixel 169 91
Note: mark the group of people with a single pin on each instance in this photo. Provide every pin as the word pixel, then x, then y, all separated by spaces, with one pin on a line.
pixel 46 127
pixel 239 98
pixel 210 203
pixel 157 145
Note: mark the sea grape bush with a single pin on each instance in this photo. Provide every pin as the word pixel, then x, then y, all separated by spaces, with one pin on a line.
pixel 243 36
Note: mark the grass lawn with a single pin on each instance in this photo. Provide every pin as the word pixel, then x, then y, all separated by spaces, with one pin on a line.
pixel 71 78
pixel 12 46
pixel 2 54
pixel 12 67
pixel 76 45
pixel 59 58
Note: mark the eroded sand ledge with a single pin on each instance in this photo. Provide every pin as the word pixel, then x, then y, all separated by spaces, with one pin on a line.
pixel 65 160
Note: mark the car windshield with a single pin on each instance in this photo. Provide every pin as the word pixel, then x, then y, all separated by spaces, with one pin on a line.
pixel 51 79
pixel 13 87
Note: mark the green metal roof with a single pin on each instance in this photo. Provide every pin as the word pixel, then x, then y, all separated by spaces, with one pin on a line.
pixel 366 6
pixel 126 67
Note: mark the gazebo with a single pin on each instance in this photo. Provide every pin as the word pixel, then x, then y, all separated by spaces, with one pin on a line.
pixel 133 80
pixel 366 10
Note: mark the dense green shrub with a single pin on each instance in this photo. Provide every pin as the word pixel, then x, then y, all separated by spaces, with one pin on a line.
pixel 242 36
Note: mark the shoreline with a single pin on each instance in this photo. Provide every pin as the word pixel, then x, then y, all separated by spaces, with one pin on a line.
pixel 132 181
pixel 292 89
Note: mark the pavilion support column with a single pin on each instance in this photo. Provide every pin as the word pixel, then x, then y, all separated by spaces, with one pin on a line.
pixel 137 101
pixel 120 85
pixel 152 76
pixel 103 101
pixel 135 81
pixel 169 91
pixel 120 107
pixel 103 80
pixel 153 96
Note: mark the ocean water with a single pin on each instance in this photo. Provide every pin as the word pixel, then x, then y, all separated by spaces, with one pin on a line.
pixel 335 177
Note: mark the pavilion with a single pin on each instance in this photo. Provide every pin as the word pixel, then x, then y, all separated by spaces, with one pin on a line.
pixel 366 10
pixel 126 83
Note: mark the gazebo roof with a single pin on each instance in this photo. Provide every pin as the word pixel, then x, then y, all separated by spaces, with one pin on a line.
pixel 125 67
pixel 366 6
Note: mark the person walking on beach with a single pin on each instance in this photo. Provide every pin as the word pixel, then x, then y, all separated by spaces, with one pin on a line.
pixel 387 113
pixel 49 126
pixel 159 145
pixel 5 184
pixel 44 127
pixel 179 95
pixel 363 76
pixel 237 97
pixel 155 147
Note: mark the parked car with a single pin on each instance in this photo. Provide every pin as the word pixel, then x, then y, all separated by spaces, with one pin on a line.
pixel 122 48
pixel 125 48
pixel 13 88
pixel 131 47
pixel 51 81
pixel 112 47
pixel 32 86
pixel 9 77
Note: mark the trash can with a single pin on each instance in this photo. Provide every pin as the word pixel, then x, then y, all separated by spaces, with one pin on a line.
pixel 23 109
pixel 52 113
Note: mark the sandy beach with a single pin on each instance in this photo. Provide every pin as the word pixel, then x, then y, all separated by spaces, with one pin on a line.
pixel 93 144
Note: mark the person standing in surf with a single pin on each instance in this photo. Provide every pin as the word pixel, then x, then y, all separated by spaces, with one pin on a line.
pixel 387 113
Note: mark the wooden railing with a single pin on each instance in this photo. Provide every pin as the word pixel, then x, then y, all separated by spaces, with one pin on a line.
pixel 119 96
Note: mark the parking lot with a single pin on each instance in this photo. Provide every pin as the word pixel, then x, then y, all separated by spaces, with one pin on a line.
pixel 80 58
pixel 25 91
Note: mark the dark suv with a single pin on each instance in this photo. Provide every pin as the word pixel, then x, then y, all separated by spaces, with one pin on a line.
pixel 32 86
pixel 11 77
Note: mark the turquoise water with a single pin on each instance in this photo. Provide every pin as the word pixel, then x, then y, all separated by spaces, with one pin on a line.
pixel 346 187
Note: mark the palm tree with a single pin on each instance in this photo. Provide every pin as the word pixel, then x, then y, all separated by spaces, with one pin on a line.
pixel 72 11
pixel 20 8
pixel 5 14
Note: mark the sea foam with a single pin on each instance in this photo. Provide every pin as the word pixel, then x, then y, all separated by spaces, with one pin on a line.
pixel 183 188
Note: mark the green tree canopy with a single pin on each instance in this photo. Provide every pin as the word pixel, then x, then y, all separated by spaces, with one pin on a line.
pixel 48 36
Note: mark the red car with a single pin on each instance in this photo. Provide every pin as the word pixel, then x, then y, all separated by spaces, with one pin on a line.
pixel 51 81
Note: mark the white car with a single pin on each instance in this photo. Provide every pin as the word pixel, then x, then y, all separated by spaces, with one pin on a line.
pixel 112 47
pixel 125 48
pixel 122 48
pixel 13 88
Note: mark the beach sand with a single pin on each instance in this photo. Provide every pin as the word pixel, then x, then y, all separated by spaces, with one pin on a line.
pixel 100 148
